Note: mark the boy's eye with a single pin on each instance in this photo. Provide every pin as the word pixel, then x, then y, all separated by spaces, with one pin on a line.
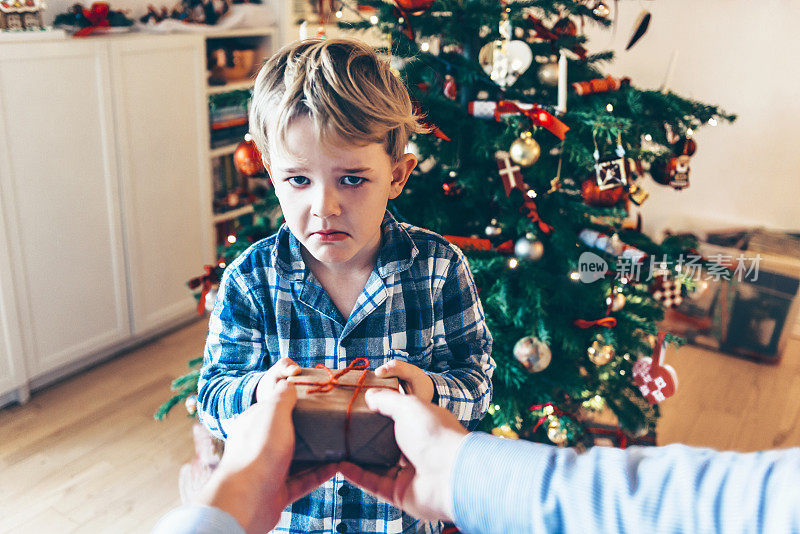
pixel 353 180
pixel 297 180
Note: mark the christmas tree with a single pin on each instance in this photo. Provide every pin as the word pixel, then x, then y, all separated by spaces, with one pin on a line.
pixel 532 166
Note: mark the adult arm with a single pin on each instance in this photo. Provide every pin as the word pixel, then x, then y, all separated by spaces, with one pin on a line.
pixel 252 484
pixel 515 486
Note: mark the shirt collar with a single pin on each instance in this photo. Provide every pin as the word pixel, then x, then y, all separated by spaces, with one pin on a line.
pixel 396 253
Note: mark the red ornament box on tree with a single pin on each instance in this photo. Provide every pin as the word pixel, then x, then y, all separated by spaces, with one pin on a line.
pixel 414 7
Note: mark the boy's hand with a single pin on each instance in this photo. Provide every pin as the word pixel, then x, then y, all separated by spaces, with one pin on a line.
pixel 282 368
pixel 429 437
pixel 414 380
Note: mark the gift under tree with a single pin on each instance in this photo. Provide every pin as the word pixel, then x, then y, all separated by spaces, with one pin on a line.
pixel 533 166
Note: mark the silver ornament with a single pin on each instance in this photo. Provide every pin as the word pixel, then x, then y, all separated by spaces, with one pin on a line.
pixel 504 61
pixel 493 230
pixel 191 404
pixel 533 354
pixel 211 298
pixel 528 248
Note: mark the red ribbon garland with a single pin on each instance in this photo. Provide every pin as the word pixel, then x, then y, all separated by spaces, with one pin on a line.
pixel 536 113
pixel 533 214
pixel 359 364
pixel 476 243
pixel 608 322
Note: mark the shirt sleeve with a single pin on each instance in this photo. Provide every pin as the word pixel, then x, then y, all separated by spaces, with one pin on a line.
pixel 197 519
pixel 514 486
pixel 233 357
pixel 462 365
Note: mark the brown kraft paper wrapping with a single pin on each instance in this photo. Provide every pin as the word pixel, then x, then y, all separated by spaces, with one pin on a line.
pixel 320 419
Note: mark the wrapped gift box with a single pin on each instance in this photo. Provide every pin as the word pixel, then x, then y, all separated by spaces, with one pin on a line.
pixel 752 316
pixel 321 421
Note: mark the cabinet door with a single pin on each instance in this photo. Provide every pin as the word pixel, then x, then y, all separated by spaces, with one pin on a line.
pixel 58 183
pixel 12 365
pixel 160 107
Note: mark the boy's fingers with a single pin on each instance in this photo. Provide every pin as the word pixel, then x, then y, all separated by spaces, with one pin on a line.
pixel 283 368
pixel 303 483
pixel 396 368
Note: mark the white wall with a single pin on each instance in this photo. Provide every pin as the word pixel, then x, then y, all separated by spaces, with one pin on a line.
pixel 744 56
pixel 740 54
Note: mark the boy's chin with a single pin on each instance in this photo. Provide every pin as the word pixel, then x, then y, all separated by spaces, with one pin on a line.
pixel 327 254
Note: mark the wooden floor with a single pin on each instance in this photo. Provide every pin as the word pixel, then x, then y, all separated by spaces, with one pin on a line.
pixel 87 456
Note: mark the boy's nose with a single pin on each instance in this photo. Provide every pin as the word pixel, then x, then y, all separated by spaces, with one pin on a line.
pixel 326 204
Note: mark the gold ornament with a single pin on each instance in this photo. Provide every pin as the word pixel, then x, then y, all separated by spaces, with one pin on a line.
pixel 532 353
pixel 555 432
pixel 637 194
pixel 601 10
pixel 525 151
pixel 617 302
pixel 548 73
pixel 504 431
pixel 600 353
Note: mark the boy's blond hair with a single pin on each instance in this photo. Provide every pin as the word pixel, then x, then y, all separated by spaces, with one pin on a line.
pixel 342 86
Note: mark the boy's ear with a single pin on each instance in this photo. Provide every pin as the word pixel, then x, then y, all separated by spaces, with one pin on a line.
pixel 400 174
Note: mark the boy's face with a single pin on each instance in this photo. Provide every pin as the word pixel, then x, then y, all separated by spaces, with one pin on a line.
pixel 333 196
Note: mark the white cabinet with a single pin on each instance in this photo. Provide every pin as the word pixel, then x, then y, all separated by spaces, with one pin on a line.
pixel 61 200
pixel 104 196
pixel 160 109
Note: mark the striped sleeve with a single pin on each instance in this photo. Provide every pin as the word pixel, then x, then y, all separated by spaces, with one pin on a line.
pixel 464 384
pixel 516 486
pixel 233 355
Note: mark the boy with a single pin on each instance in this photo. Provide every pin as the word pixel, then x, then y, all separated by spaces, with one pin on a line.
pixel 342 278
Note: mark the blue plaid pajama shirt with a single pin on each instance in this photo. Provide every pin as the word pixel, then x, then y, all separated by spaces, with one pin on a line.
pixel 419 304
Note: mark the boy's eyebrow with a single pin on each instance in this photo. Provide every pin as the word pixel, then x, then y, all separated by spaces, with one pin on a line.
pixel 353 170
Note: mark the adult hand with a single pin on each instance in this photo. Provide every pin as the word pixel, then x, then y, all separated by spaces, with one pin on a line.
pixel 429 437
pixel 283 368
pixel 252 481
pixel 414 380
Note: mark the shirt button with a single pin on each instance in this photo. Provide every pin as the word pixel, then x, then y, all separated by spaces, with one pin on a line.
pixel 341 527
pixel 343 491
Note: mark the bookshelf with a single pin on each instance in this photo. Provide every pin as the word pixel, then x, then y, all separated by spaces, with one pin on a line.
pixel 227 87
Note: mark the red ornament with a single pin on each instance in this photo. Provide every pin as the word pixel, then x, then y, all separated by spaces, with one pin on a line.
pixel 565 26
pixel 656 380
pixel 414 7
pixel 247 159
pixel 594 196
pixel 687 146
pixel 511 174
pixel 450 88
